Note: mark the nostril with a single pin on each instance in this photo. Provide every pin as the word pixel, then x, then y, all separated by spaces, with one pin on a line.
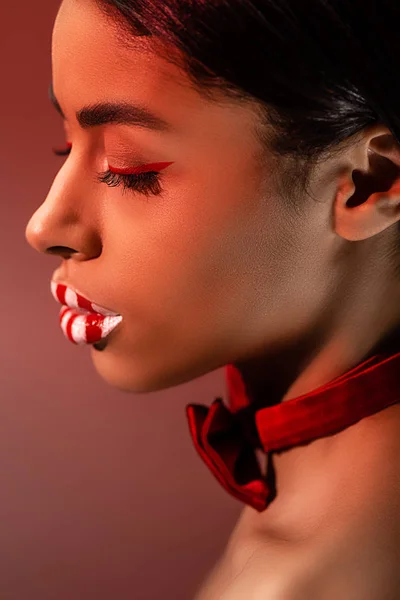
pixel 63 251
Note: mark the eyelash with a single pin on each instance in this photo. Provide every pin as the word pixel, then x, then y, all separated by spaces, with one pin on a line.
pixel 147 183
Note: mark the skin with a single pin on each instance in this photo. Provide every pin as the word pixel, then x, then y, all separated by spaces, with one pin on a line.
pixel 219 268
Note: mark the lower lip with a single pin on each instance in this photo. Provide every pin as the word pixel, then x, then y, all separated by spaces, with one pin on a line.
pixel 82 327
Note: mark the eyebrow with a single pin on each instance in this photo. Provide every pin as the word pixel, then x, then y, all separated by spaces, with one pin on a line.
pixel 121 113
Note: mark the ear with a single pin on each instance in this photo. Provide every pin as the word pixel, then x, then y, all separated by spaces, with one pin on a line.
pixel 368 193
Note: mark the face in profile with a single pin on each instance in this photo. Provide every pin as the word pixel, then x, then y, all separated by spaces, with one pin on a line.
pixel 171 220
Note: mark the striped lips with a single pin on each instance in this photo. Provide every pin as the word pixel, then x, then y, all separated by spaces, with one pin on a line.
pixel 67 296
pixel 82 321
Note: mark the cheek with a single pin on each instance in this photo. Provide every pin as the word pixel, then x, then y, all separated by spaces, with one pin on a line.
pixel 208 246
pixel 170 262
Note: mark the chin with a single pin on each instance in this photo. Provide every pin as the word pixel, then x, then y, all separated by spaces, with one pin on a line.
pixel 118 377
pixel 134 376
pixel 140 372
pixel 131 376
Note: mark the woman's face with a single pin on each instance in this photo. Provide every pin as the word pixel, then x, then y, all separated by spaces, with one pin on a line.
pixel 207 271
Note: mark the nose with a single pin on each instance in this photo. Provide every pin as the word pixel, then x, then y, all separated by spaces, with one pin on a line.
pixel 63 225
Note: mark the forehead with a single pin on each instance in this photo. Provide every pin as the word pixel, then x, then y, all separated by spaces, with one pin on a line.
pixel 90 62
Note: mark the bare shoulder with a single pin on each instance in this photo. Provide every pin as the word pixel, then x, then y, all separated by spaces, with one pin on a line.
pixel 348 571
pixel 255 570
pixel 255 567
pixel 348 564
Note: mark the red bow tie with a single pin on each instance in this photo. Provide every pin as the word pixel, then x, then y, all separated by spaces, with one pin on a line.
pixel 226 438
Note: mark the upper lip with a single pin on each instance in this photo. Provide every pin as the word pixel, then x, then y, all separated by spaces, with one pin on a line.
pixel 68 296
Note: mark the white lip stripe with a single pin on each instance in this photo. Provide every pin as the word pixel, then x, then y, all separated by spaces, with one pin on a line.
pixel 64 321
pixel 78 330
pixel 62 313
pixel 53 290
pixel 108 324
pixel 70 298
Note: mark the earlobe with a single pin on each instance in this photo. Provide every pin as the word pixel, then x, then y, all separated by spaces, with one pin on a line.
pixel 368 202
pixel 354 223
pixel 345 223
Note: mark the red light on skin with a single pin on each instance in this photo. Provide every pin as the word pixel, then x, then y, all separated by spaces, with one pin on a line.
pixel 141 169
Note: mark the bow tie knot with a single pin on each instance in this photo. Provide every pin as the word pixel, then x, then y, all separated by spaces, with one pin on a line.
pixel 226 441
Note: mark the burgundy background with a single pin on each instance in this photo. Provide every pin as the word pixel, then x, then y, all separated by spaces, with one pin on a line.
pixel 102 494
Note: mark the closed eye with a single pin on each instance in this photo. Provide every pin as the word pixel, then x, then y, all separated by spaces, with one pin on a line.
pixel 144 182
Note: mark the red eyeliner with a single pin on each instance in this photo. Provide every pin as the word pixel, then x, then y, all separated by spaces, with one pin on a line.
pixel 141 169
pixel 63 151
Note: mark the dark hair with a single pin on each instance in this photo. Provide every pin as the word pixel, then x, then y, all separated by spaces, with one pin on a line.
pixel 320 71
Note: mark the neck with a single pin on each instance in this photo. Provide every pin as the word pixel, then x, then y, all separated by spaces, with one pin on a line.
pixel 297 368
pixel 310 479
pixel 337 479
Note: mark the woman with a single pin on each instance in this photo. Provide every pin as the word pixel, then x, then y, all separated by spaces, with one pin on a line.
pixel 231 198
